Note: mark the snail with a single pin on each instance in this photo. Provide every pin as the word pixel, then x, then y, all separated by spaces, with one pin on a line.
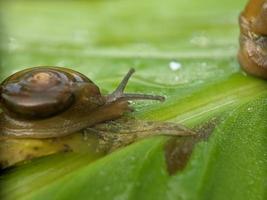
pixel 50 102
pixel 252 54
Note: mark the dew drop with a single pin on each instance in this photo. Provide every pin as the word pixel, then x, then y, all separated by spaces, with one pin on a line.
pixel 175 65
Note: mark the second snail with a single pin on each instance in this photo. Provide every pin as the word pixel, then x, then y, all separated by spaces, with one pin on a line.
pixel 253 38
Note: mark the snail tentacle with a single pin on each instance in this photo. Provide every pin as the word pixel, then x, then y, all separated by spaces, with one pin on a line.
pixel 119 94
pixel 124 82
pixel 133 96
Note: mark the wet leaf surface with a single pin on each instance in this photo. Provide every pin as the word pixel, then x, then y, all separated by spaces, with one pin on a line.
pixel 184 50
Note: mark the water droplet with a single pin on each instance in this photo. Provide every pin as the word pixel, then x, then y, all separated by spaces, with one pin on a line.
pixel 175 65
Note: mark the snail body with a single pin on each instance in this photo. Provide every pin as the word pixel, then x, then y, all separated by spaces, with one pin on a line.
pixel 48 102
pixel 252 54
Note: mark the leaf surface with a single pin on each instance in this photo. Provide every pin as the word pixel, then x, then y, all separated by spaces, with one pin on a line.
pixel 103 39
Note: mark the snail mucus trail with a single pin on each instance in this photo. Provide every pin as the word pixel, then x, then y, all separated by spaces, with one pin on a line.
pixel 49 102
pixel 252 54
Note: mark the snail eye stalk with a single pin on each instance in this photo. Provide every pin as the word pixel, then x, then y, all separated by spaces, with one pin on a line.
pixel 119 94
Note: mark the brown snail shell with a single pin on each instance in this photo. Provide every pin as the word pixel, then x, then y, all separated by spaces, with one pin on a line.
pixel 253 38
pixel 47 102
pixel 42 92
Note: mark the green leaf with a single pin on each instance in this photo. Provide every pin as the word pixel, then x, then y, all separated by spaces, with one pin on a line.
pixel 103 39
pixel 232 164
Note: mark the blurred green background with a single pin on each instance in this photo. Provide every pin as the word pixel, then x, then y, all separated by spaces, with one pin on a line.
pixel 97 36
pixel 183 49
pixel 103 39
